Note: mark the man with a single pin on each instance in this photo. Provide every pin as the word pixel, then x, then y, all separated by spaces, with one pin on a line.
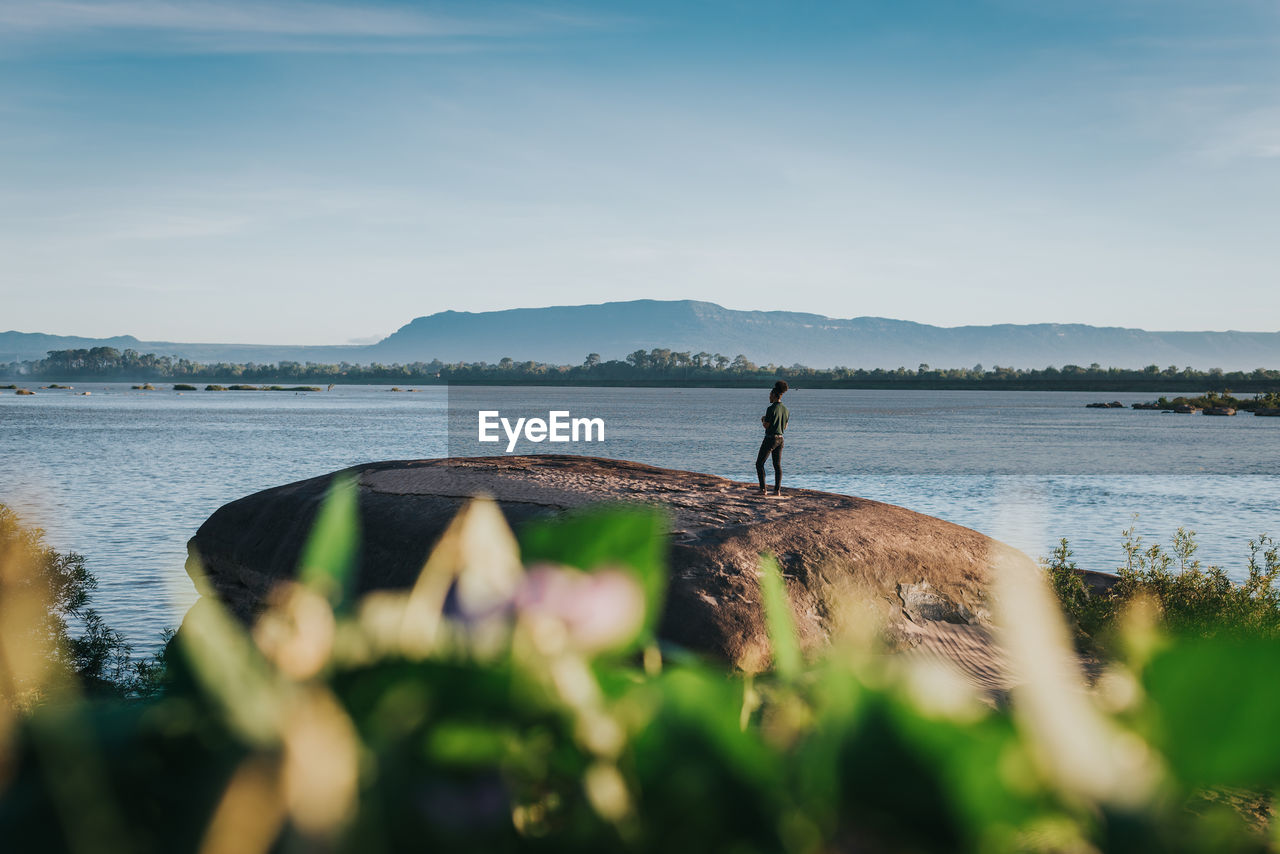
pixel 775 424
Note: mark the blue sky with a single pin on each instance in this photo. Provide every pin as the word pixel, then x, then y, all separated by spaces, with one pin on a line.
pixel 226 170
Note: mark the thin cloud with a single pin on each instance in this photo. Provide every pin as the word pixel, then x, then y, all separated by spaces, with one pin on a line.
pixel 1252 135
pixel 211 24
pixel 1224 123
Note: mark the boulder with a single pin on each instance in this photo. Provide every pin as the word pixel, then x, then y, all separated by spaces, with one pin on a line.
pixel 924 577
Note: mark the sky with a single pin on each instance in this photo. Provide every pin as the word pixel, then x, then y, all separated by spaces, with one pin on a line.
pixel 322 173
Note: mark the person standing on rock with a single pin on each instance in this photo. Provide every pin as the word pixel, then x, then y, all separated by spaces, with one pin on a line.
pixel 775 424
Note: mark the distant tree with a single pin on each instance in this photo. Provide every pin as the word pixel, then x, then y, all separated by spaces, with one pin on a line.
pixel 103 359
pixel 641 365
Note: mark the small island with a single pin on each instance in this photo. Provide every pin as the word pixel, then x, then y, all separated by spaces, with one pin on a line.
pixel 1216 403
pixel 256 388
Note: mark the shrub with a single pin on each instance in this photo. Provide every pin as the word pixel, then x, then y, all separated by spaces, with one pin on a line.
pixel 49 593
pixel 1187 597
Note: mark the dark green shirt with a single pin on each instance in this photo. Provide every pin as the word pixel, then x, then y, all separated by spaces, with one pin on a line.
pixel 775 419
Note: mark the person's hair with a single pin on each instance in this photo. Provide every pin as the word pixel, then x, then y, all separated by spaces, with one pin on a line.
pixel 780 387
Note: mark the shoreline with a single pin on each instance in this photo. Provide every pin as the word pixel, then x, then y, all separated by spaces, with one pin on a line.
pixel 36 383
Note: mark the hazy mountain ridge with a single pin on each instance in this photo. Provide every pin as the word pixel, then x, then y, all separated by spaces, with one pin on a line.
pixel 566 334
pixel 28 346
pixel 17 346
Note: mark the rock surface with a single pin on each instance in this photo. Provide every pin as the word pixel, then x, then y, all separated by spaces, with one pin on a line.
pixel 925 577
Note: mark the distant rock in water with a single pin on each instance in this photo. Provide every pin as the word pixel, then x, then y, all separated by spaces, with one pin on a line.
pixel 925 577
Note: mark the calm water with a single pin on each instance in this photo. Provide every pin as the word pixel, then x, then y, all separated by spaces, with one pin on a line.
pixel 126 477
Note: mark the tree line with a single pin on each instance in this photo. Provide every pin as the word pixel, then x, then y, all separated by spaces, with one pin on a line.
pixel 655 367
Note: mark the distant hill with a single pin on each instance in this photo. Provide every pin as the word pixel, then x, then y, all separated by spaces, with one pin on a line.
pixel 566 334
pixel 260 353
pixel 27 346
pixel 21 346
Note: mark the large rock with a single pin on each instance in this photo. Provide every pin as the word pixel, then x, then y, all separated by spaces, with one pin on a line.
pixel 925 577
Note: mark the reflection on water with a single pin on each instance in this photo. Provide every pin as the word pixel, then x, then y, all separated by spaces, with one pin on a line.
pixel 126 477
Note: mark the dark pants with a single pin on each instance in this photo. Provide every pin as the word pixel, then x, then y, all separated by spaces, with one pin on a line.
pixel 771 446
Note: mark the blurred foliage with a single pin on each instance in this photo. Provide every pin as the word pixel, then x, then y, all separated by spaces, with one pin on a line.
pixel 64 629
pixel 1187 597
pixel 514 700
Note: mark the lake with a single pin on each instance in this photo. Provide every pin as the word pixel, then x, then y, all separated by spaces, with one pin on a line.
pixel 125 477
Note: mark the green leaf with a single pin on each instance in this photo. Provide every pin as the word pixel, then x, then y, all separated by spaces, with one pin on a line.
pixel 467 743
pixel 704 783
pixel 232 673
pixel 329 557
pixel 777 614
pixel 620 536
pixel 1214 705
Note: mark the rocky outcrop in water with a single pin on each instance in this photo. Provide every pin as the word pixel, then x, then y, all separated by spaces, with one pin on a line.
pixel 925 577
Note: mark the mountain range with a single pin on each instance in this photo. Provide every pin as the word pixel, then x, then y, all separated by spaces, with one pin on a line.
pixel 566 334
